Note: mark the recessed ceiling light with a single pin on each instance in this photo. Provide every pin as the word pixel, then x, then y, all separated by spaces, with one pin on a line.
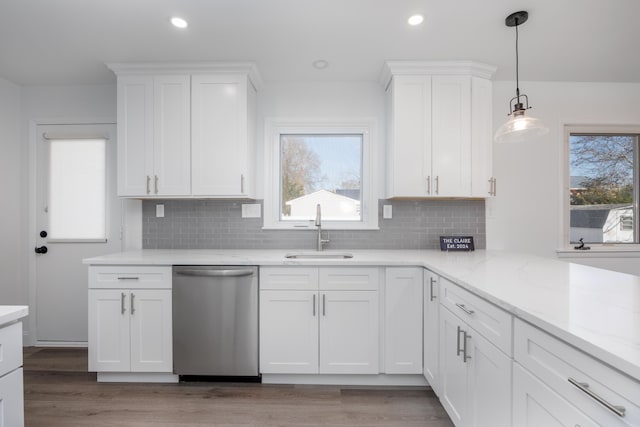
pixel 179 22
pixel 320 64
pixel 415 20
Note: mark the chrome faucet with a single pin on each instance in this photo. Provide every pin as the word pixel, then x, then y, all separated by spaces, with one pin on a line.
pixel 320 240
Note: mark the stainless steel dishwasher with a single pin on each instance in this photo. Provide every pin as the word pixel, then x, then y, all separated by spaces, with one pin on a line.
pixel 215 321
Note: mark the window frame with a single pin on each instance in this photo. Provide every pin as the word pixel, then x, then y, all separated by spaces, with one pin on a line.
pixel 570 130
pixel 276 127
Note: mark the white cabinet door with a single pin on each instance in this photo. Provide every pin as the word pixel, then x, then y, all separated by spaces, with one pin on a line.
pixel 349 332
pixel 535 404
pixel 151 330
pixel 109 338
pixel 172 136
pixel 409 141
pixel 453 369
pixel 12 399
pixel 482 184
pixel 451 136
pixel 431 328
pixel 135 135
pixel 222 108
pixel 288 332
pixel 403 321
pixel 488 383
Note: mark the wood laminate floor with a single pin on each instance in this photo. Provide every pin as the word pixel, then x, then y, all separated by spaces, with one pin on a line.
pixel 60 392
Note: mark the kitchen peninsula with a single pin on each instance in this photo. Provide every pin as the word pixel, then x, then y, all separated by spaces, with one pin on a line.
pixel 558 314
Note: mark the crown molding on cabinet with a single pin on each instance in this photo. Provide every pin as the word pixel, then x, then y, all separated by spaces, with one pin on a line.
pixel 138 68
pixel 433 68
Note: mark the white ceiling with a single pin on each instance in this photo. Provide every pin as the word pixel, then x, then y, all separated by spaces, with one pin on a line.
pixel 68 41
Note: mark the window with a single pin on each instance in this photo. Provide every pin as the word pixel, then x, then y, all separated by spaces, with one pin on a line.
pixel 322 164
pixel 603 187
pixel 77 190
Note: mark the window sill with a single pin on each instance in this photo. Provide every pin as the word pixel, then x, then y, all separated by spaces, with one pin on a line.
pixel 327 227
pixel 601 251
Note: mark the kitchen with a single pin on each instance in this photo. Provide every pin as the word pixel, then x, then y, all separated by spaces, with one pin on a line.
pixel 528 174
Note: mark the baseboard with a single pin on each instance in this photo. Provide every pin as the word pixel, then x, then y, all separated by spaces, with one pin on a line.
pixel 62 344
pixel 348 380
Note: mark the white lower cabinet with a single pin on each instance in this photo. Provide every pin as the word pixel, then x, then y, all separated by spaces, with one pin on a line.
pixel 403 321
pixel 11 376
pixel 324 331
pixel 555 381
pixel 431 331
pixel 130 330
pixel 130 327
pixel 535 404
pixel 475 376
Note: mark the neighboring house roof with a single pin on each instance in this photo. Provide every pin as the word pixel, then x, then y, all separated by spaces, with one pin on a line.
pixel 315 194
pixel 578 182
pixel 352 193
pixel 592 216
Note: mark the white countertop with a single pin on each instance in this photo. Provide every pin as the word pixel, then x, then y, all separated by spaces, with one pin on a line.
pixel 595 310
pixel 9 313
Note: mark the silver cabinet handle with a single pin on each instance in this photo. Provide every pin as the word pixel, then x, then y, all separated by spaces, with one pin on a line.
pixel 133 309
pixel 432 281
pixel 242 183
pixel 465 309
pixel 155 180
pixel 128 278
pixel 464 347
pixel 437 184
pixel 458 350
pixel 429 185
pixel 122 297
pixel 148 184
pixel 324 305
pixel 492 186
pixel 216 273
pixel 314 305
pixel 584 387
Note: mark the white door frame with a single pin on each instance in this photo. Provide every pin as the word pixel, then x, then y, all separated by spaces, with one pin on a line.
pixel 30 332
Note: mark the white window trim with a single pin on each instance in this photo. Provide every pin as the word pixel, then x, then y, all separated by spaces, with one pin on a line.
pixel 275 127
pixel 597 249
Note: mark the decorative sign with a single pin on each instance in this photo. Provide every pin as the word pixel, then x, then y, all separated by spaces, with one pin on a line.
pixel 456 243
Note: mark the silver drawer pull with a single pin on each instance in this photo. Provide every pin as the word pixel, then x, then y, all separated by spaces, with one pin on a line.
pixel 122 297
pixel 129 278
pixel 584 387
pixel 465 309
pixel 432 281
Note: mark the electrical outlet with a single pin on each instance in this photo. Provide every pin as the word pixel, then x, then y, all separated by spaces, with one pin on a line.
pixel 251 211
pixel 159 211
pixel 387 211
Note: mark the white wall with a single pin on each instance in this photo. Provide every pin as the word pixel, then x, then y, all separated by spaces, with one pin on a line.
pixel 13 277
pixel 53 104
pixel 526 215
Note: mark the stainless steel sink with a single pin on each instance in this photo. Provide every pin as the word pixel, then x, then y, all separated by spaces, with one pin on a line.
pixel 319 255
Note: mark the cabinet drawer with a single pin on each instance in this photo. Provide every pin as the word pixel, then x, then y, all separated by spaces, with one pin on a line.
pixel 349 278
pixel 10 347
pixel 133 277
pixel 493 323
pixel 288 278
pixel 555 363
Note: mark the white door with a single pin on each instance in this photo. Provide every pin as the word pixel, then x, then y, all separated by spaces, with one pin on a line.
pixel 349 332
pixel 430 329
pixel 109 348
pixel 151 326
pixel 77 216
pixel 288 332
pixel 453 369
pixel 403 321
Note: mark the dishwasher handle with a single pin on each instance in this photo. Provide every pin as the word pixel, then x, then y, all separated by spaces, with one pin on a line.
pixel 216 273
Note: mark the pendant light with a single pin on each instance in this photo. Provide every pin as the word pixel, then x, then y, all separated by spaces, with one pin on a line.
pixel 519 126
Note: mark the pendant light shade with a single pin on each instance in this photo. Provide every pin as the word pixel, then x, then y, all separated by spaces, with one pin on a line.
pixel 519 127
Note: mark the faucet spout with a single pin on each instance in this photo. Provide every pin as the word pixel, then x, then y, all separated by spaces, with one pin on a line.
pixel 319 240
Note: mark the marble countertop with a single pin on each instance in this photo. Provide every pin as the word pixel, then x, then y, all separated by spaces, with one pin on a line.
pixel 9 313
pixel 595 310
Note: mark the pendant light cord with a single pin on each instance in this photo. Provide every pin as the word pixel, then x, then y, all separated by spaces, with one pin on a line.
pixel 517 65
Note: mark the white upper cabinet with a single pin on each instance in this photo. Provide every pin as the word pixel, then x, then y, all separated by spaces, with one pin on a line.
pixel 438 129
pixel 186 130
pixel 154 152
pixel 223 122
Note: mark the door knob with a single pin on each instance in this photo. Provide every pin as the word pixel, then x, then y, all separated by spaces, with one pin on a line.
pixel 41 250
pixel 43 234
